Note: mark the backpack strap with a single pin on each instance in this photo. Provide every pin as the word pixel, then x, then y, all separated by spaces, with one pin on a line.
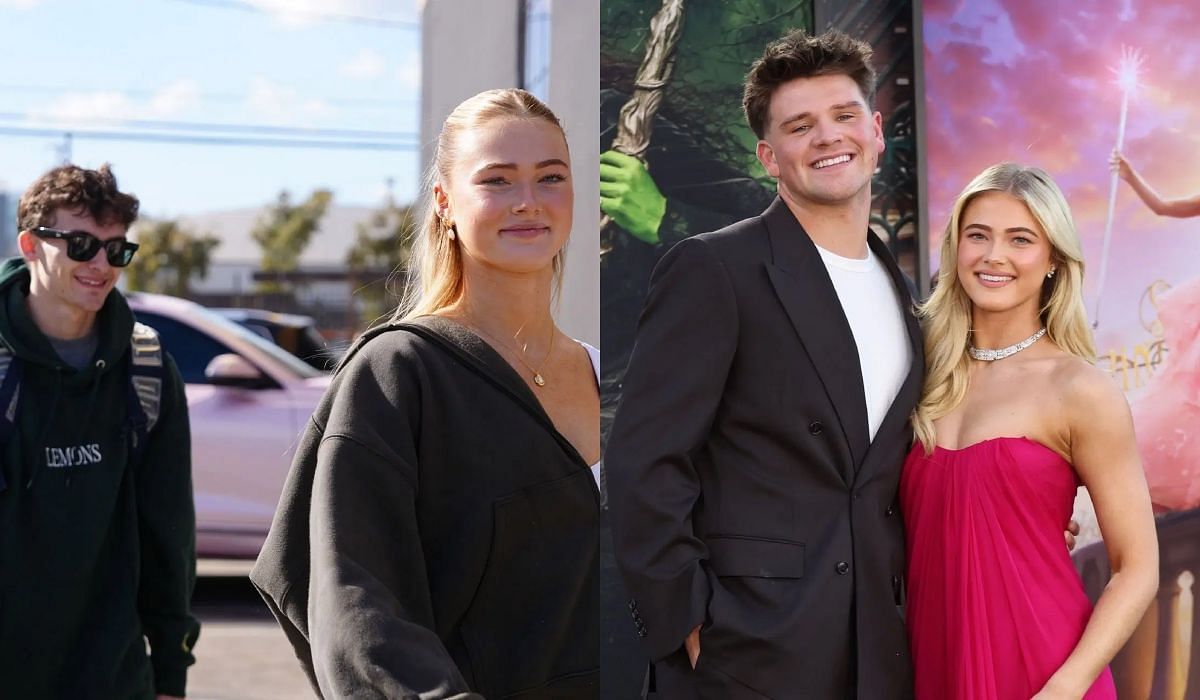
pixel 145 386
pixel 10 386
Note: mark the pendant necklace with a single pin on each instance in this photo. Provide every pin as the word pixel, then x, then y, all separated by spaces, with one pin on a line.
pixel 537 375
pixel 988 355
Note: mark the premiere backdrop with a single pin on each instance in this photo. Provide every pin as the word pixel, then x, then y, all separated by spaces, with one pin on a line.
pixel 1052 84
pixel 684 73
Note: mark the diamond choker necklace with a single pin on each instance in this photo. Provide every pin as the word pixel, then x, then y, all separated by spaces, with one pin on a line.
pixel 1001 353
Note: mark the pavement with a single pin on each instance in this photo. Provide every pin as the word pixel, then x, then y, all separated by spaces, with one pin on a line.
pixel 241 654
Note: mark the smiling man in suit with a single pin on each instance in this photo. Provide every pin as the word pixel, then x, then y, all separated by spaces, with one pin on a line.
pixel 754 461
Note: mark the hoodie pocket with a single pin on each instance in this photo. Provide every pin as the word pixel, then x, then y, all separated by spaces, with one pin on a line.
pixel 533 624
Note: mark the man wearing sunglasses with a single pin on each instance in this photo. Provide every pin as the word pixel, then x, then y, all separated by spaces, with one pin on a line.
pixel 97 523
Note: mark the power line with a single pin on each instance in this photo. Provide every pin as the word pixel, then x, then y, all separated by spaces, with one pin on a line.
pixel 225 128
pixel 327 16
pixel 191 139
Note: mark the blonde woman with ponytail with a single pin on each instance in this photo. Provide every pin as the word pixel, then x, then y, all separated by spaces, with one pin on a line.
pixel 438 534
pixel 1013 417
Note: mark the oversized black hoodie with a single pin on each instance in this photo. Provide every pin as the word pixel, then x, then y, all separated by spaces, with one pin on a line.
pixel 437 537
pixel 95 550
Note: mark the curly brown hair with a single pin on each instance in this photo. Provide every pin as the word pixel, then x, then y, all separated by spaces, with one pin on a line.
pixel 79 191
pixel 801 55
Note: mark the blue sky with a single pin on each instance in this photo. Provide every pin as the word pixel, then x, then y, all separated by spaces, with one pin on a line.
pixel 319 64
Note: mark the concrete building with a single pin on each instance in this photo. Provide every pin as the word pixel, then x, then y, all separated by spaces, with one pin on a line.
pixel 321 286
pixel 552 49
pixel 238 257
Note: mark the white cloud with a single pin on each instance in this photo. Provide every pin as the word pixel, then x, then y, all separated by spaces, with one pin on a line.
pixel 365 65
pixel 80 108
pixel 268 99
pixel 175 98
pixel 316 108
pixel 283 105
pixel 86 109
pixel 303 13
pixel 294 13
pixel 409 74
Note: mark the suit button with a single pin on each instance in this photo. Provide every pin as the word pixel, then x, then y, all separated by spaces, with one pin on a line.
pixel 891 510
pixel 842 568
pixel 815 427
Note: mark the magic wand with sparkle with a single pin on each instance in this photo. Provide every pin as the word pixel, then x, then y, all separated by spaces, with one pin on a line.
pixel 1127 74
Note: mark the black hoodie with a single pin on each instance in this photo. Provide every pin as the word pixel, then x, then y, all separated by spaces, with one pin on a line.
pixel 436 537
pixel 95 550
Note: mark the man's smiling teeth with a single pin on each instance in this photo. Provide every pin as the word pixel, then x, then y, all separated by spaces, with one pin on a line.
pixel 831 161
pixel 993 278
pixel 91 283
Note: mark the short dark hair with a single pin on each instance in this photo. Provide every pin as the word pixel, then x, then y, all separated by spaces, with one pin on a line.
pixel 801 55
pixel 77 190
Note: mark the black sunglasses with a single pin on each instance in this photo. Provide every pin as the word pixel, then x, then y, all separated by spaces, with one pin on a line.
pixel 82 246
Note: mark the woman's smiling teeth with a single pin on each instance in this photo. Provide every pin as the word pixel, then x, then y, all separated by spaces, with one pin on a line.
pixel 831 161
pixel 994 280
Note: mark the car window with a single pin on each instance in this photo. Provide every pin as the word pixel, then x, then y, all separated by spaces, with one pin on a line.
pixel 283 357
pixel 191 349
pixel 262 331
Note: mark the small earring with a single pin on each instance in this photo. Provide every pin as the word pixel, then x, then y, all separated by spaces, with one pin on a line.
pixel 448 227
pixel 1050 274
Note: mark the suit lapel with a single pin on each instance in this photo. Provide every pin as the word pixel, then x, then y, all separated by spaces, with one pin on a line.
pixel 910 391
pixel 812 305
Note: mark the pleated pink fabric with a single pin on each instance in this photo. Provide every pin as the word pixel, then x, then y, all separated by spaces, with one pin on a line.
pixel 1167 412
pixel 994 604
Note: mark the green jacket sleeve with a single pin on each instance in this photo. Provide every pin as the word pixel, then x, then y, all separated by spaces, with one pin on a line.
pixel 167 528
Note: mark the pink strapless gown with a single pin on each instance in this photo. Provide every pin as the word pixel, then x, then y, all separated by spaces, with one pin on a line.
pixel 994 603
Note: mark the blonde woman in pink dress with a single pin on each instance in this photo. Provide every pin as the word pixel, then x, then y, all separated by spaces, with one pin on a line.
pixel 1167 413
pixel 1013 418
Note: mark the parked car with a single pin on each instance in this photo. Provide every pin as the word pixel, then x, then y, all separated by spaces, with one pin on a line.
pixel 293 332
pixel 248 401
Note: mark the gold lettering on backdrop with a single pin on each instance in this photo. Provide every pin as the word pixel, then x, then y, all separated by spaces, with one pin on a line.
pixel 1136 365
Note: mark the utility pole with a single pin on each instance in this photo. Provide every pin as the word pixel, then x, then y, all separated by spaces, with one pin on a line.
pixel 64 149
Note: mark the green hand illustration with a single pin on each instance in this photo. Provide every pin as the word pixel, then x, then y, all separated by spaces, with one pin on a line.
pixel 629 196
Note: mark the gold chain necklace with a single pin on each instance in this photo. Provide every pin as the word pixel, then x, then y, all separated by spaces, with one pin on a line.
pixel 537 375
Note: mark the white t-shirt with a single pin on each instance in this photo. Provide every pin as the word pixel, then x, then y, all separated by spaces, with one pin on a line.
pixel 594 355
pixel 872 307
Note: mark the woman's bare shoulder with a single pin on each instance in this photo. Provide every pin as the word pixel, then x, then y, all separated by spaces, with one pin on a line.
pixel 1092 398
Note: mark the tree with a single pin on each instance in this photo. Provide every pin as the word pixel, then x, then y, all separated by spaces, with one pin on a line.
pixel 168 257
pixel 379 258
pixel 285 230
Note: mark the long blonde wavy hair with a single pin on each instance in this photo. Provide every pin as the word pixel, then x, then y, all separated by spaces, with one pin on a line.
pixel 435 270
pixel 946 316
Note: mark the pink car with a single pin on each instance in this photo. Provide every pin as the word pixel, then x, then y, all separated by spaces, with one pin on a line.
pixel 249 400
